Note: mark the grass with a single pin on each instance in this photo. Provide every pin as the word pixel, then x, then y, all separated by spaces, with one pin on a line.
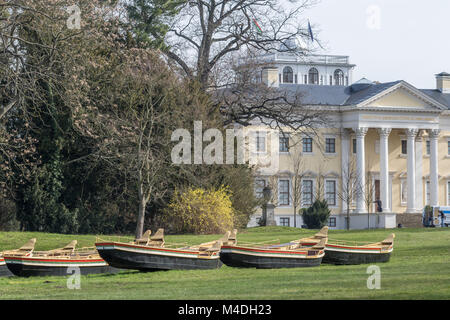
pixel 419 269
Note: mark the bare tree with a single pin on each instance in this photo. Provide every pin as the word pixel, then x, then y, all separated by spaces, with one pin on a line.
pixel 210 31
pixel 133 134
pixel 348 192
pixel 298 172
pixel 206 40
pixel 369 195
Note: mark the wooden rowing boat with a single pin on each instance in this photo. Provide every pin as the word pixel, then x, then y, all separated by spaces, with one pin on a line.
pixel 25 261
pixel 152 253
pixel 349 252
pixel 271 255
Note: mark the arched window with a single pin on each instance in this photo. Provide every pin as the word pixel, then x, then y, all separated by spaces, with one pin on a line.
pixel 339 77
pixel 288 75
pixel 313 76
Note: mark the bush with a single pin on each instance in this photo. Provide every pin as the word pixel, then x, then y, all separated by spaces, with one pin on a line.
pixel 200 211
pixel 316 216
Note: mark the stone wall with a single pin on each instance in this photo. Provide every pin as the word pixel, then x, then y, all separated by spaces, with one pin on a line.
pixel 410 220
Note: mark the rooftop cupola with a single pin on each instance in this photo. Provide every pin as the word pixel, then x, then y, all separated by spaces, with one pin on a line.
pixel 443 82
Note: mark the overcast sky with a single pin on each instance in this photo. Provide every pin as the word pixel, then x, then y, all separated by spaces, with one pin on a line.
pixel 411 42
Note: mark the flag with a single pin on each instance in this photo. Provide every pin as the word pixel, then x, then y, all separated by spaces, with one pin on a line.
pixel 257 26
pixel 310 31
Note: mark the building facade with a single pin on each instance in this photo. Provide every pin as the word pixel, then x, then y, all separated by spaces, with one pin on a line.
pixel 382 142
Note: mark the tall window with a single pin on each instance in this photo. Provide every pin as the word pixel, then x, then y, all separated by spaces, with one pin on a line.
pixel 354 146
pixel 284 144
pixel 428 147
pixel 283 193
pixel 330 192
pixel 404 147
pixel 307 192
pixel 448 147
pixel 313 76
pixel 331 80
pixel 427 190
pixel 306 79
pixel 284 222
pixel 259 186
pixel 288 75
pixel 260 142
pixel 307 145
pixel 330 145
pixel 338 77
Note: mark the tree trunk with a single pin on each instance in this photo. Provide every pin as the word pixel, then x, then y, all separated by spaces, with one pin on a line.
pixel 141 218
pixel 295 220
pixel 348 217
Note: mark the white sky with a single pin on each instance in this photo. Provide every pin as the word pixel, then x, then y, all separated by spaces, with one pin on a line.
pixel 411 44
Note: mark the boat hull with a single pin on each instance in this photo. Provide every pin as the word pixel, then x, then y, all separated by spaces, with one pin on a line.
pixel 4 271
pixel 30 267
pixel 344 257
pixel 143 258
pixel 245 258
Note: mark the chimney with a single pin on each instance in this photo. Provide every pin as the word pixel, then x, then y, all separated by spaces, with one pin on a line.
pixel 270 77
pixel 443 82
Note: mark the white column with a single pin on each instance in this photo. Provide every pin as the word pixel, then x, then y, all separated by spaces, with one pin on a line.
pixel 411 174
pixel 384 168
pixel 345 154
pixel 419 172
pixel 360 170
pixel 434 178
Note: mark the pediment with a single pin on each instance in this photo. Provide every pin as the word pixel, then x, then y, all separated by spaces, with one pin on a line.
pixel 403 95
pixel 400 98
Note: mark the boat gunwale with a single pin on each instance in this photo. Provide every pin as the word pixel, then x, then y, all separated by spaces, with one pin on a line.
pixel 137 246
pixel 54 259
pixel 270 250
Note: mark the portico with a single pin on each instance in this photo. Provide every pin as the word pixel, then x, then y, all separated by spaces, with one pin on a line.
pixel 413 183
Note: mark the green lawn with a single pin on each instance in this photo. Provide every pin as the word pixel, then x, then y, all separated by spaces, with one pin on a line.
pixel 419 269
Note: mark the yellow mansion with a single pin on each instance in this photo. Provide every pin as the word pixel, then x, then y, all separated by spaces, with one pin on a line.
pixel 393 138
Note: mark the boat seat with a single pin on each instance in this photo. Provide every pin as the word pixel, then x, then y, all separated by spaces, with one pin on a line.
pixel 157 240
pixel 215 247
pixel 225 238
pixel 67 250
pixel 29 245
pixel 232 239
pixel 144 239
pixel 389 240
pixel 321 244
pixel 26 249
pixel 207 251
pixel 323 233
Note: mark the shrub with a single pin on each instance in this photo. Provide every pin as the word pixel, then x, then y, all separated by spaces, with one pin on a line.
pixel 316 216
pixel 200 211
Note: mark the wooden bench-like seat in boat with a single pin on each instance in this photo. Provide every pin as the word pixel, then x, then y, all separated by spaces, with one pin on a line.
pixel 157 240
